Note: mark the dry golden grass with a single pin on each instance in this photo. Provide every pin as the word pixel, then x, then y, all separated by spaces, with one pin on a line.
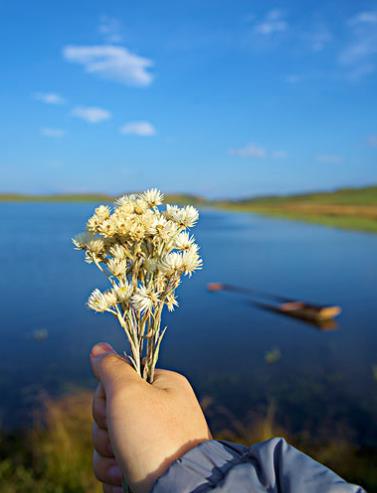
pixel 63 435
pixel 55 456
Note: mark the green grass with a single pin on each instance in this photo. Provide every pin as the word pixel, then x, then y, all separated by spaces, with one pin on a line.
pixel 343 196
pixel 90 197
pixel 347 208
pixel 55 455
pixel 354 223
pixel 69 197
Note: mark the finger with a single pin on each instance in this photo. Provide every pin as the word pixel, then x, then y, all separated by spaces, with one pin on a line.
pixel 100 391
pixel 101 441
pixel 107 470
pixel 99 407
pixel 110 368
pixel 170 380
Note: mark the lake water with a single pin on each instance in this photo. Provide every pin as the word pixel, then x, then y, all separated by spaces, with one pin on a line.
pixel 218 340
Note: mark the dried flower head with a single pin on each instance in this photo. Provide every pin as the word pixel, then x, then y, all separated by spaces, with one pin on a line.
pixel 144 250
pixel 102 302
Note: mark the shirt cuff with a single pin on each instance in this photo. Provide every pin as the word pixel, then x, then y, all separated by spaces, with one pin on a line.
pixel 200 468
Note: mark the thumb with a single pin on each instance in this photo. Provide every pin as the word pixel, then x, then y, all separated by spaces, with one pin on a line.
pixel 110 368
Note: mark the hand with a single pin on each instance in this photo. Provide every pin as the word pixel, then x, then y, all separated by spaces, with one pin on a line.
pixel 140 428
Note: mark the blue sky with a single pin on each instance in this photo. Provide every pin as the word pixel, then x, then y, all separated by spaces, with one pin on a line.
pixel 230 98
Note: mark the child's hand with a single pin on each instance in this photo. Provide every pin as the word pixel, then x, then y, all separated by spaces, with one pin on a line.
pixel 140 429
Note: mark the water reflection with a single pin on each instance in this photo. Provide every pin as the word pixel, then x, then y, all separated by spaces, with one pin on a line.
pixel 320 316
pixel 322 325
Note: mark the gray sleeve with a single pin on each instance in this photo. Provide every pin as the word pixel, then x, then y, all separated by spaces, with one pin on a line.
pixel 272 466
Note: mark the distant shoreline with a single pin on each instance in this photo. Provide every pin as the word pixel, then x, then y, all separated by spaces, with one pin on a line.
pixel 348 208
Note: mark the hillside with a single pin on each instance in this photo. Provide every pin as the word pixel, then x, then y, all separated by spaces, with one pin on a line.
pixel 347 208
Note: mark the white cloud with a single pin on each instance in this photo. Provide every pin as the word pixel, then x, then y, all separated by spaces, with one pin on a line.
pixel 273 22
pixel 279 154
pixel 54 133
pixel 111 62
pixel 254 151
pixel 358 51
pixel 359 56
pixel 250 150
pixel 330 159
pixel 366 17
pixel 111 29
pixel 91 114
pixel 49 98
pixel 320 38
pixel 372 140
pixel 142 128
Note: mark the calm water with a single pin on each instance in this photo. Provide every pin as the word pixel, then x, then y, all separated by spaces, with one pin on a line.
pixel 218 340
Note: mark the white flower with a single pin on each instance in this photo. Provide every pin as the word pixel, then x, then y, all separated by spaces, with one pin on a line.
pixel 96 246
pixel 188 216
pixel 146 219
pixel 140 206
pixel 153 197
pixel 118 251
pixel 81 240
pixel 159 222
pixel 125 205
pixel 171 302
pixel 191 262
pixel 125 199
pixel 117 267
pixel 137 231
pixel 172 263
pixel 110 297
pixel 124 292
pixel 122 225
pixel 91 257
pixel 166 230
pixel 169 232
pixel 100 302
pixel 184 241
pixel 144 299
pixel 144 251
pixel 101 215
pixel 172 212
pixel 93 224
pixel 107 227
pixel 102 212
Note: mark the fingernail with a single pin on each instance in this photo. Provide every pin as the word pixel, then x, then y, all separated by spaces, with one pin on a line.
pixel 115 474
pixel 101 348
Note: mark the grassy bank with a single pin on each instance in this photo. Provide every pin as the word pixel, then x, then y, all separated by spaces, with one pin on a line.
pixel 90 197
pixel 354 209
pixel 55 455
pixel 349 208
pixel 64 197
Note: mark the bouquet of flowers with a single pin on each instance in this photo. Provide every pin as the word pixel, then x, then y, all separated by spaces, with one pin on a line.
pixel 144 249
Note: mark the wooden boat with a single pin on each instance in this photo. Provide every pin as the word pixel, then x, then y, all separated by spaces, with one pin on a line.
pixel 317 314
pixel 300 309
